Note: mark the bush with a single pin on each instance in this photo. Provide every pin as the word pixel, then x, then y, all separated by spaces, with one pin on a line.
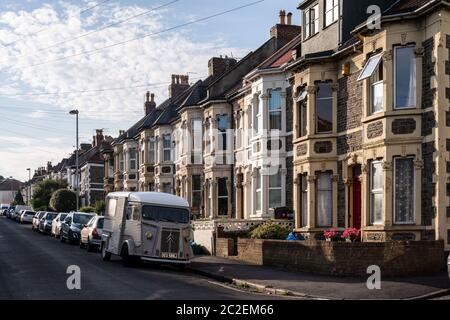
pixel 269 230
pixel 63 200
pixel 87 209
pixel 100 207
pixel 43 193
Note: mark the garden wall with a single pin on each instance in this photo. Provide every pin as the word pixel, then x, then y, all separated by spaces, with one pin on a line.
pixel 396 258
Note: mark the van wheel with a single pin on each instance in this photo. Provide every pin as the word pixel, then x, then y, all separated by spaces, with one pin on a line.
pixel 127 260
pixel 106 256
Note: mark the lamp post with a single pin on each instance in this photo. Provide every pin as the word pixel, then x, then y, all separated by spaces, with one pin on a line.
pixel 12 191
pixel 76 113
pixel 29 186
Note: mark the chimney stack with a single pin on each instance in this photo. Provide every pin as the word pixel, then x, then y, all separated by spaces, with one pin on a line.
pixel 218 66
pixel 284 32
pixel 98 138
pixel 180 83
pixel 150 104
pixel 282 17
pixel 289 18
pixel 121 132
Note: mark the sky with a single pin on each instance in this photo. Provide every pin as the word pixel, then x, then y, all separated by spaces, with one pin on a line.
pixel 100 57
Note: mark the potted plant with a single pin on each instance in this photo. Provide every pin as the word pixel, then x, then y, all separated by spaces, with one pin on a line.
pixel 331 235
pixel 351 235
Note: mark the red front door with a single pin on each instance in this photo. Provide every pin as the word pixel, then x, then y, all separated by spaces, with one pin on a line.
pixel 356 216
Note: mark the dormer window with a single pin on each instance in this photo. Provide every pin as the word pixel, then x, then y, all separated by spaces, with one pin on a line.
pixel 331 11
pixel 311 18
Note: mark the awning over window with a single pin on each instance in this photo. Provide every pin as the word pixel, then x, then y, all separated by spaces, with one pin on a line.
pixel 302 96
pixel 370 67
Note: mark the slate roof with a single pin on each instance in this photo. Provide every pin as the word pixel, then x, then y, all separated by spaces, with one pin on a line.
pixel 405 6
pixel 282 56
pixel 10 185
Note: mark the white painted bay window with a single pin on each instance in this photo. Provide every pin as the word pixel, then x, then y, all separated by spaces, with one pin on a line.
pixel 258 189
pixel 167 148
pixel 152 150
pixel 376 192
pixel 275 111
pixel 197 133
pixel 121 162
pixel 404 183
pixel 133 159
pixel 275 190
pixel 222 196
pixel 405 77
pixel 324 199
pixel 196 192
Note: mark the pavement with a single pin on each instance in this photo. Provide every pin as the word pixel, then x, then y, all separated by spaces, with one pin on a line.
pixel 280 281
pixel 33 266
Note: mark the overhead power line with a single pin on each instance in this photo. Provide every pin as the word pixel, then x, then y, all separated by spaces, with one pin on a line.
pixel 57 44
pixel 46 28
pixel 90 52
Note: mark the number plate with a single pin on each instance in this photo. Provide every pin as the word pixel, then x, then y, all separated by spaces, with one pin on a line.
pixel 169 255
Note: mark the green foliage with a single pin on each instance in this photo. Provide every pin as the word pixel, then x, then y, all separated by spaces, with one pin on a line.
pixel 18 200
pixel 63 200
pixel 43 192
pixel 87 209
pixel 100 207
pixel 269 230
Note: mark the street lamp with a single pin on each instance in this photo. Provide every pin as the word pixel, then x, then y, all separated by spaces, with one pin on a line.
pixel 29 186
pixel 76 113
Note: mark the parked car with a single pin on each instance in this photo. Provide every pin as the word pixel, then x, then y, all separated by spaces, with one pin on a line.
pixel 17 215
pixel 72 225
pixel 91 234
pixel 56 224
pixel 35 223
pixel 18 212
pixel 27 216
pixel 45 223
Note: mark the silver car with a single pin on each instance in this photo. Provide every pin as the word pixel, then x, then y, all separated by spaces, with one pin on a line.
pixel 91 234
pixel 27 216
pixel 56 224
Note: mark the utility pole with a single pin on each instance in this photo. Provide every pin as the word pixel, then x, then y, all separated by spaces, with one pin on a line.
pixel 77 181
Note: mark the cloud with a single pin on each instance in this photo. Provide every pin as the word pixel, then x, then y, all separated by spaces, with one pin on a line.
pixel 147 61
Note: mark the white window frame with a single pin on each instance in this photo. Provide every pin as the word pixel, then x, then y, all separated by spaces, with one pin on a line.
pixel 196 191
pixel 374 192
pixel 317 107
pixel 334 11
pixel 222 196
pixel 258 190
pixel 413 222
pixel 151 150
pixel 167 149
pixel 133 160
pixel 121 162
pixel 278 110
pixel 311 24
pixel 280 188
pixel 257 115
pixel 413 46
pixel 330 175
pixel 304 200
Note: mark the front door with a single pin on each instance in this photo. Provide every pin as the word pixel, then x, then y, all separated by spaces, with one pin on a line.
pixel 356 216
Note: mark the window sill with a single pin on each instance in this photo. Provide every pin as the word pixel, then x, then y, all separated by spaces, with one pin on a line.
pixel 392 113
pixel 325 27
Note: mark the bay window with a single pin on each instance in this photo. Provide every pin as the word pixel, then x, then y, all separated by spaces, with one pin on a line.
pixel 258 189
pixel 373 70
pixel 133 159
pixel 167 147
pixel 404 190
pixel 196 192
pixel 331 11
pixel 275 110
pixel 167 187
pixel 324 108
pixel 376 192
pixel 196 143
pixel 121 162
pixel 324 199
pixel 302 110
pixel 275 190
pixel 304 200
pixel 405 77
pixel 223 196
pixel 257 116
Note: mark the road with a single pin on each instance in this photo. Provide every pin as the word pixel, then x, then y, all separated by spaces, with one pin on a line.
pixel 33 266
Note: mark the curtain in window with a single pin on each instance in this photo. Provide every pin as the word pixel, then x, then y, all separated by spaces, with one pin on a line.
pixel 324 200
pixel 404 190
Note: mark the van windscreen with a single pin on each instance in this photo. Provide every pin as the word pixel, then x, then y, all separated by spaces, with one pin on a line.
pixel 165 214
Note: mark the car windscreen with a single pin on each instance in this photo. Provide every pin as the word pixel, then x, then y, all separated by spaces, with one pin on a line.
pixel 165 214
pixel 30 213
pixel 51 216
pixel 100 223
pixel 62 217
pixel 81 218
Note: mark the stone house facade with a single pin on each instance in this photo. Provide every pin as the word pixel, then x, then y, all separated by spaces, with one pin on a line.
pixel 370 119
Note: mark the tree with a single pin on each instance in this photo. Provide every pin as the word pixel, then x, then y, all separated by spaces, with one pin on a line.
pixel 63 200
pixel 43 192
pixel 18 200
pixel 100 206
pixel 87 209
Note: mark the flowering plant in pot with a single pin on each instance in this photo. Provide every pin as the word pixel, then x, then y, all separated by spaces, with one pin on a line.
pixel 331 235
pixel 351 235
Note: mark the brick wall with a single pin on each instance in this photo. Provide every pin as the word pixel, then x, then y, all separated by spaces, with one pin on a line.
pixel 396 258
pixel 225 247
pixel 341 197
pixel 428 186
pixel 290 182
pixel 350 102
pixel 349 143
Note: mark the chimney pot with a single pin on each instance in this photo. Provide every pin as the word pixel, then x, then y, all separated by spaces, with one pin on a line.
pixel 147 96
pixel 289 18
pixel 152 96
pixel 282 17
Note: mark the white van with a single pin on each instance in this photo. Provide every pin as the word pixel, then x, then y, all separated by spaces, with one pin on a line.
pixel 147 226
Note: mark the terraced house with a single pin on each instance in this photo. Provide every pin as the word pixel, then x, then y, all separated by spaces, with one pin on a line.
pixel 371 120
